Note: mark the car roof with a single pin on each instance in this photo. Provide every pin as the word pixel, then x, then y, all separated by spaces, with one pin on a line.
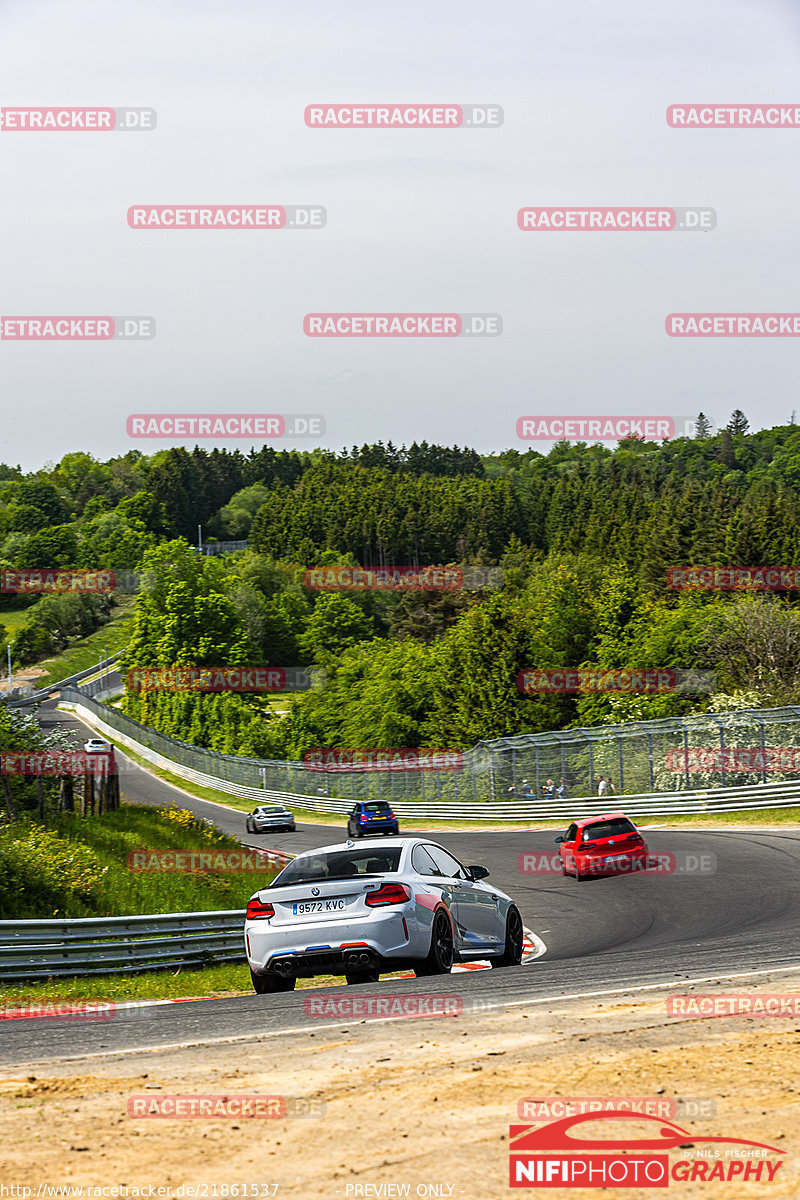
pixel 376 846
pixel 615 816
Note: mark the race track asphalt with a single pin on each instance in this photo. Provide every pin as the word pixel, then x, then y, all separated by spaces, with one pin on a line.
pixel 739 913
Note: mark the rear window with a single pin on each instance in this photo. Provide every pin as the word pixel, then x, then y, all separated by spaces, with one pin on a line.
pixel 377 806
pixel 339 864
pixel 608 829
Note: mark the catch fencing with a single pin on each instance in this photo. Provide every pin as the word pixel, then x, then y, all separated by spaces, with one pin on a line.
pixel 224 547
pixel 488 784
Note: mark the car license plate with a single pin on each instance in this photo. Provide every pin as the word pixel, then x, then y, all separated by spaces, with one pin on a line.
pixel 613 862
pixel 312 906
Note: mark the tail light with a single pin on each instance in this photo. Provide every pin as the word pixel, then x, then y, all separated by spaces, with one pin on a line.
pixel 257 910
pixel 388 893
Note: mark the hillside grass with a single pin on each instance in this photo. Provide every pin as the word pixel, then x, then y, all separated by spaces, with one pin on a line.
pixel 14 618
pixel 86 652
pixel 78 866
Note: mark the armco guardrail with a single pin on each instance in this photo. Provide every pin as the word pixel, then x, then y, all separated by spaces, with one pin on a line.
pixel 221 771
pixel 108 945
pixel 98 669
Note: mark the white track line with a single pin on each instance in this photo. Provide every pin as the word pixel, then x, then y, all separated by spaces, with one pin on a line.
pixel 250 1037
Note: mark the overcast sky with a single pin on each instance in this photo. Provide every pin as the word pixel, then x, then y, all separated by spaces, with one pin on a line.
pixel 418 221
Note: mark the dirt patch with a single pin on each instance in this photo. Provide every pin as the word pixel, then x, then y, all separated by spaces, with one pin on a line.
pixel 22 676
pixel 424 1104
pixel 33 1088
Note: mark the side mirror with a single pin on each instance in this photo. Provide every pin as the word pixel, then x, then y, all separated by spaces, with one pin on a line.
pixel 476 873
pixel 559 839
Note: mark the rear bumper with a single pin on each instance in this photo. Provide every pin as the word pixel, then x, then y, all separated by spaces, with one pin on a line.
pixel 317 948
pixel 626 863
pixel 323 962
pixel 388 827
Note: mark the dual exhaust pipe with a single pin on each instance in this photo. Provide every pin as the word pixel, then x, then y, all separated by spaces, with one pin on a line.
pixel 286 967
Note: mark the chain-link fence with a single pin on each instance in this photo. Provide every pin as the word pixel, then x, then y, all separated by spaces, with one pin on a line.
pixel 719 750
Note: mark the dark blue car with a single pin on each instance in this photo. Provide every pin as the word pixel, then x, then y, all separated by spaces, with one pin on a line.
pixel 371 816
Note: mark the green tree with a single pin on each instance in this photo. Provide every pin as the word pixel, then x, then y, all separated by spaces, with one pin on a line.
pixel 702 427
pixel 335 624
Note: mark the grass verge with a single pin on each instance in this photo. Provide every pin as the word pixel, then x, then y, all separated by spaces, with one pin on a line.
pixel 226 979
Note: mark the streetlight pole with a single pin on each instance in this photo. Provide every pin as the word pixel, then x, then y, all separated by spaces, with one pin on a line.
pixel 200 538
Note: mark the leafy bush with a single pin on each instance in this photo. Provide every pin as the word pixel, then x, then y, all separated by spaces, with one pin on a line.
pixel 44 872
pixel 55 619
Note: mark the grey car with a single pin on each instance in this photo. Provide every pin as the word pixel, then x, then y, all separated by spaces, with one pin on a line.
pixel 270 817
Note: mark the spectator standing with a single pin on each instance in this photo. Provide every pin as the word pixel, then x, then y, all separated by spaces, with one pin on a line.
pixel 602 787
pixel 561 791
pixel 612 791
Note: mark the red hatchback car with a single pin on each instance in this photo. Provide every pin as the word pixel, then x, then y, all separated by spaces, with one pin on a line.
pixel 607 845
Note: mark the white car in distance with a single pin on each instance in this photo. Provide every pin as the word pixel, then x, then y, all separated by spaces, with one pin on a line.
pixel 97 746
